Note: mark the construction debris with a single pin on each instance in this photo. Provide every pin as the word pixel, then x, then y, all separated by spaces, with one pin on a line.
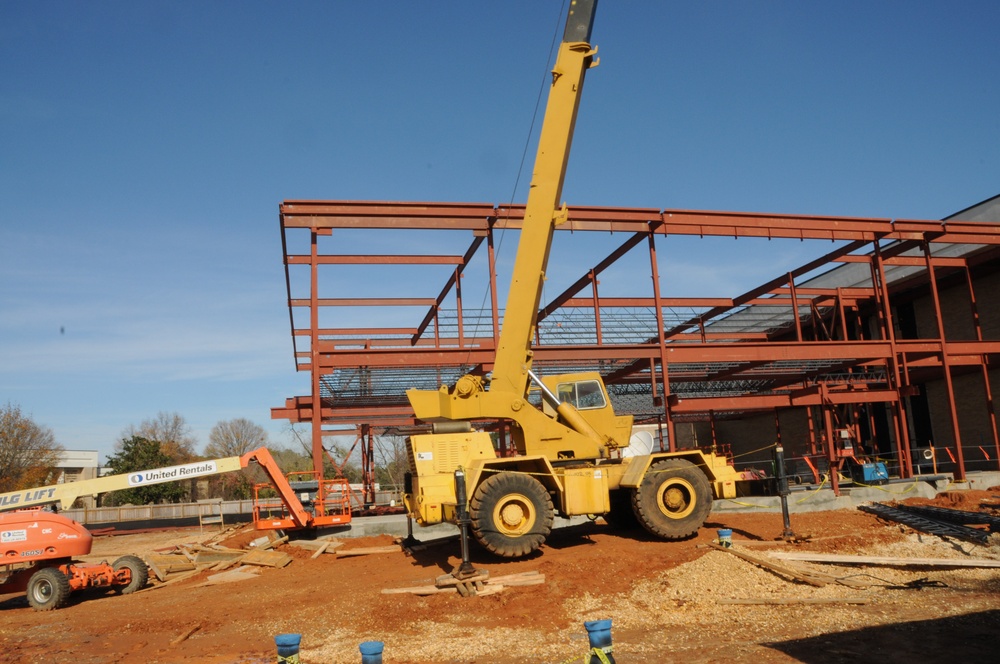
pixel 185 635
pixel 241 573
pixel 795 600
pixel 817 579
pixel 479 584
pixel 318 546
pixel 922 523
pixel 187 560
pixel 266 558
pixel 365 551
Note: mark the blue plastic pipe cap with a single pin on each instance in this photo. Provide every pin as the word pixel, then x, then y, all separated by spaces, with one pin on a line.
pixel 599 632
pixel 288 647
pixel 371 652
pixel 288 640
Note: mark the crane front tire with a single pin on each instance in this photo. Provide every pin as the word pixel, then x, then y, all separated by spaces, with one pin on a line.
pixel 48 589
pixel 511 514
pixel 673 500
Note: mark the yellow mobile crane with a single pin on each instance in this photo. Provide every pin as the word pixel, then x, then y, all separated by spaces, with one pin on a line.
pixel 568 451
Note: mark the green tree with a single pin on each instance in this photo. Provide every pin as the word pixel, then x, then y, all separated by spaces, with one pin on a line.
pixel 28 451
pixel 138 453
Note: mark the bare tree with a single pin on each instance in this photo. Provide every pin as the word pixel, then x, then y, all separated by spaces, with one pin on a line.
pixel 391 461
pixel 235 438
pixel 170 430
pixel 28 451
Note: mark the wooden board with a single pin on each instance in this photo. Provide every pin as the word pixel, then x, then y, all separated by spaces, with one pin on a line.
pixel 885 560
pixel 215 557
pixel 328 545
pixel 451 580
pixel 365 551
pixel 522 579
pixel 796 600
pixel 266 558
pixel 162 565
pixel 799 575
pixel 238 574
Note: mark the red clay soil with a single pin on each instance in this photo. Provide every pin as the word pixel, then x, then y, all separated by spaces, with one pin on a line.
pixel 336 602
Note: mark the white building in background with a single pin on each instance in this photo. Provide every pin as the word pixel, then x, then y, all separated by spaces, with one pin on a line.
pixel 78 465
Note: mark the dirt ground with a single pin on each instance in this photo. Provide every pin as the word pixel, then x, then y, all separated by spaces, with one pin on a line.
pixel 669 602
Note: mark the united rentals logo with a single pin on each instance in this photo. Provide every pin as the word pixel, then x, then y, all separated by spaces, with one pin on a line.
pixel 172 473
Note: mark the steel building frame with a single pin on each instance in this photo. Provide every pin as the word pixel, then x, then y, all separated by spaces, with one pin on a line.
pixel 796 341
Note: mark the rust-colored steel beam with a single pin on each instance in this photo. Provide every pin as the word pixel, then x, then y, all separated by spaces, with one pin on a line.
pixel 772 401
pixel 451 283
pixel 326 215
pixel 591 275
pixel 364 302
pixel 398 259
pixel 859 351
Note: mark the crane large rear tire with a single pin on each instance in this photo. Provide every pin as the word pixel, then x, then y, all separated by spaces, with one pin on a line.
pixel 673 500
pixel 138 573
pixel 48 589
pixel 511 514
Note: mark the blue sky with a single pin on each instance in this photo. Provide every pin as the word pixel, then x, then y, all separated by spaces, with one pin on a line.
pixel 145 148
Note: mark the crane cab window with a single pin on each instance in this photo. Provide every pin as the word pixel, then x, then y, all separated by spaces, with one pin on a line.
pixel 583 395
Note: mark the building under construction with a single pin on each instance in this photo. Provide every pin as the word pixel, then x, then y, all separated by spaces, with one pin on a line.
pixel 881 347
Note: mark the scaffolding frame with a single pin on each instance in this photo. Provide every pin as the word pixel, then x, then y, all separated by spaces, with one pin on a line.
pixel 829 345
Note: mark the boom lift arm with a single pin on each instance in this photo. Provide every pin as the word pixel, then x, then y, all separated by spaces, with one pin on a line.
pixel 66 494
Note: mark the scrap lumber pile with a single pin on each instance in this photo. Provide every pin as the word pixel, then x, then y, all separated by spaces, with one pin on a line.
pixel 183 561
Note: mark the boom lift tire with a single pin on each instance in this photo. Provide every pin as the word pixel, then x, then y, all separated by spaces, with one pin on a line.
pixel 511 514
pixel 48 589
pixel 673 500
pixel 138 573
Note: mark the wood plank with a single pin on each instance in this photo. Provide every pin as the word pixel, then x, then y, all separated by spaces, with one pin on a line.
pixel 163 565
pixel 174 579
pixel 233 575
pixel 328 545
pixel 274 543
pixel 417 590
pixel 214 557
pixel 320 551
pixel 797 574
pixel 224 549
pixel 526 579
pixel 452 580
pixel 364 551
pixel 155 568
pixel 885 560
pixel 503 578
pixel 184 636
pixel 266 558
pixel 796 600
